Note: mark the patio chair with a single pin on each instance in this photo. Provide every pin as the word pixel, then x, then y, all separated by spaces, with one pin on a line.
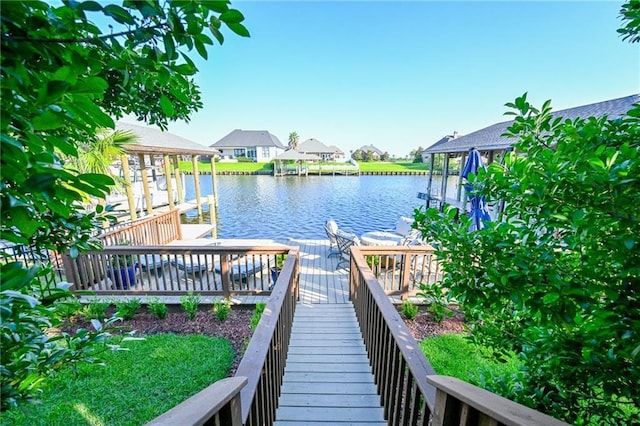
pixel 331 227
pixel 345 240
pixel 241 268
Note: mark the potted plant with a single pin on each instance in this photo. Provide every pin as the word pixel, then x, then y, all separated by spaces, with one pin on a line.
pixel 275 270
pixel 122 270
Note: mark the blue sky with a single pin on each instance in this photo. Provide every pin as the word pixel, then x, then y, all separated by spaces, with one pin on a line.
pixel 400 75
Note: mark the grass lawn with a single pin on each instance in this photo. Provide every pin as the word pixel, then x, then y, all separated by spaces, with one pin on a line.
pixel 453 355
pixel 134 387
pixel 379 166
pixel 373 166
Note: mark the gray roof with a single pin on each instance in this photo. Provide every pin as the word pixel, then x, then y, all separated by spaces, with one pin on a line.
pixel 292 154
pixel 315 146
pixel 336 149
pixel 367 148
pixel 248 139
pixel 155 141
pixel 490 137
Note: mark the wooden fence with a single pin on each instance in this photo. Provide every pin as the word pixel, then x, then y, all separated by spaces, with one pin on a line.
pixel 400 270
pixel 154 230
pixel 176 270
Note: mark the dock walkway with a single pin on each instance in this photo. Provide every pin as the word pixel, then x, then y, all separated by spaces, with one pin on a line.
pixel 328 379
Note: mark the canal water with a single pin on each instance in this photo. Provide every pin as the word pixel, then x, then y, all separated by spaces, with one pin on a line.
pixel 297 207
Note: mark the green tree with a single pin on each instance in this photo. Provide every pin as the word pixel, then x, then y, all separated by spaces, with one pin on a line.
pixel 357 155
pixel 61 79
pixel 556 278
pixel 293 140
pixel 385 156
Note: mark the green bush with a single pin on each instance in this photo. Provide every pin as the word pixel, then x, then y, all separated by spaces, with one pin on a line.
pixel 96 309
pixel 409 310
pixel 257 314
pixel 28 354
pixel 190 303
pixel 555 279
pixel 126 309
pixel 158 308
pixel 222 309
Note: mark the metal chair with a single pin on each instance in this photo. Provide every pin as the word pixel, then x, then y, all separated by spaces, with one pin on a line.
pixel 331 227
pixel 345 240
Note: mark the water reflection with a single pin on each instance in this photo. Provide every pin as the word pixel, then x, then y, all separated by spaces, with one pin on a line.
pixel 297 207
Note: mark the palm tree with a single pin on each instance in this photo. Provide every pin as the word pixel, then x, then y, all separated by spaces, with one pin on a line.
pixel 293 140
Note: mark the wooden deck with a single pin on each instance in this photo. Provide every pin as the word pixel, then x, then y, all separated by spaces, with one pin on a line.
pixel 327 378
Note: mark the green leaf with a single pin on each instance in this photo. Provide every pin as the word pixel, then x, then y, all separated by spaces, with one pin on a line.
pixel 91 85
pixel 239 29
pixel 232 16
pixel 550 298
pixel 89 5
pixel 49 120
pixel 202 50
pixel 67 74
pixel 166 105
pixel 169 46
pixel 22 218
pixel 119 14
pixel 629 242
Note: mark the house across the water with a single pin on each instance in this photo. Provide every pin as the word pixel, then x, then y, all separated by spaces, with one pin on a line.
pixel 257 145
pixel 447 155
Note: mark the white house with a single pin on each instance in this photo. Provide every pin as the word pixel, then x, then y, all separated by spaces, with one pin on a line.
pixel 259 145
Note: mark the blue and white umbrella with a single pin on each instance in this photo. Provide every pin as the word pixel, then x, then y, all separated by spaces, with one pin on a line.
pixel 479 212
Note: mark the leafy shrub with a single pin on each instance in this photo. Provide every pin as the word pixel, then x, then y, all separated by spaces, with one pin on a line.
pixel 68 308
pixel 409 310
pixel 27 310
pixel 126 309
pixel 257 314
pixel 190 303
pixel 438 305
pixel 222 309
pixel 157 308
pixel 244 160
pixel 96 309
pixel 555 278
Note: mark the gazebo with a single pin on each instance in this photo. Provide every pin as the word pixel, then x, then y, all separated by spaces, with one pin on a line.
pixel 300 160
pixel 153 143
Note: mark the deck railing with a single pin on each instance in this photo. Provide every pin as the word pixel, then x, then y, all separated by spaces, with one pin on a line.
pixel 154 230
pixel 399 367
pixel 401 269
pixel 410 392
pixel 251 397
pixel 173 270
pixel 264 360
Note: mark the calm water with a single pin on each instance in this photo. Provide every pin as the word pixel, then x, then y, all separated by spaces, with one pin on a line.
pixel 297 207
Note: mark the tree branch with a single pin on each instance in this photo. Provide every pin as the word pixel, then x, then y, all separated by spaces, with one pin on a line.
pixel 90 40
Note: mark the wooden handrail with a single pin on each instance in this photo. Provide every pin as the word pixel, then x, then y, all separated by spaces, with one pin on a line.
pixel 153 230
pixel 174 270
pixel 265 358
pixel 399 366
pixel 456 399
pixel 219 402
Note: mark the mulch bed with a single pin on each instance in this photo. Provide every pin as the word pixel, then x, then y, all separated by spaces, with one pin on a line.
pixel 237 328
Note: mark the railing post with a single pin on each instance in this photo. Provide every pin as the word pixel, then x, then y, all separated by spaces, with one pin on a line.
pixel 224 272
pixel 405 275
pixel 70 270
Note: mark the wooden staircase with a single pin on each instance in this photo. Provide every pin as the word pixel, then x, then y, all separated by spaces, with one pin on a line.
pixel 328 378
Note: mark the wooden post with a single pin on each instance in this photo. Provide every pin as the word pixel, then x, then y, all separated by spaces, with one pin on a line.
pixel 459 189
pixel 167 175
pixel 176 167
pixel 214 180
pixel 430 181
pixel 145 184
pixel 196 182
pixel 445 177
pixel 212 216
pixel 127 178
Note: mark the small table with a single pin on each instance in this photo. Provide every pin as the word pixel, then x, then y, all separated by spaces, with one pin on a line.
pixel 380 238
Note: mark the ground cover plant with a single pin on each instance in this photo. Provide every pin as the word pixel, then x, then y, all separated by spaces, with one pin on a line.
pixel 555 278
pixel 190 303
pixel 136 385
pixel 63 79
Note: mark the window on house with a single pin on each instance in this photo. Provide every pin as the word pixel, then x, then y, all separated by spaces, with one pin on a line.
pixel 266 153
pixel 239 152
pixel 251 153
